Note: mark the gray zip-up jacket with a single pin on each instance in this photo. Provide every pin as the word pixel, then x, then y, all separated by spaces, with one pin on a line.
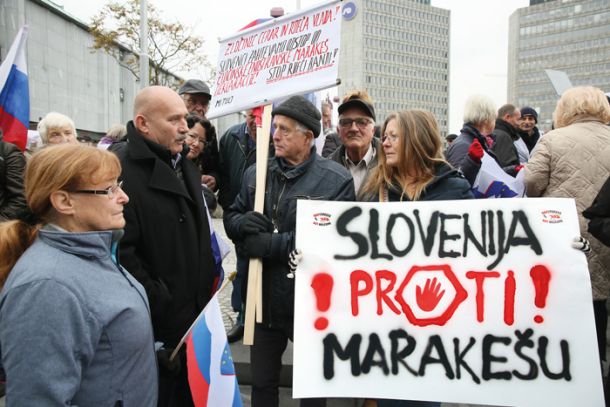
pixel 75 327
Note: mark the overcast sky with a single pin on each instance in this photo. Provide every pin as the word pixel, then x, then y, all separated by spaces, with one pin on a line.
pixel 479 36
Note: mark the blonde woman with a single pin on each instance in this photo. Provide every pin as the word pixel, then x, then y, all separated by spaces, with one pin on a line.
pixel 573 161
pixel 75 326
pixel 411 163
pixel 412 168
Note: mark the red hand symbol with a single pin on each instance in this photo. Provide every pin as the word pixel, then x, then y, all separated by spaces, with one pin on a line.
pixel 429 297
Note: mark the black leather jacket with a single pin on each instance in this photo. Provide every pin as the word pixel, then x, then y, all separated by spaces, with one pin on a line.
pixel 12 168
pixel 316 178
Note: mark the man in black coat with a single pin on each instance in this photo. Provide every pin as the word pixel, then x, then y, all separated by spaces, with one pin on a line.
pixel 166 245
pixel 505 136
pixel 296 172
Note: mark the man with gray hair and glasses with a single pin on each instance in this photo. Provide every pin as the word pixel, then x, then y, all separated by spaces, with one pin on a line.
pixel 356 129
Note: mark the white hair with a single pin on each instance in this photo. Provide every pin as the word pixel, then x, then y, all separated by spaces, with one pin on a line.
pixel 479 109
pixel 51 121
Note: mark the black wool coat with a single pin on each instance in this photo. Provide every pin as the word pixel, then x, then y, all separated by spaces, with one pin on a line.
pixel 166 245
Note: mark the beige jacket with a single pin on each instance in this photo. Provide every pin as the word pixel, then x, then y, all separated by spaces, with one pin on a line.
pixel 574 162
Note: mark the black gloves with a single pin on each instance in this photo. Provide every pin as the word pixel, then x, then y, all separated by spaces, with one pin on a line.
pixel 258 245
pixel 165 366
pixel 255 222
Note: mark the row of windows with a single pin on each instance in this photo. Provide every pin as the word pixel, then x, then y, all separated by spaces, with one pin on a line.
pixel 539 75
pixel 386 107
pixel 566 48
pixel 555 12
pixel 405 59
pixel 374 44
pixel 404 47
pixel 429 40
pixel 407 24
pixel 562 25
pixel 406 82
pixel 582 60
pixel 545 87
pixel 566 37
pixel 405 94
pixel 400 70
pixel 413 62
pixel 401 10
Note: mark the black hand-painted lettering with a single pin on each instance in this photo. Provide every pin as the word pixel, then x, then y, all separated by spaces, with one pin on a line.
pixel 488 358
pixel 375 349
pixel 444 236
pixel 469 235
pixel 390 228
pixel 501 238
pixel 459 359
pixel 543 343
pixel 435 342
pixel 524 340
pixel 351 352
pixel 490 222
pixel 427 239
pixel 374 236
pixel 344 219
pixel 530 239
pixel 399 356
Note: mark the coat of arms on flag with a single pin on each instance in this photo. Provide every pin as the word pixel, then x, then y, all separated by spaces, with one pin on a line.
pixel 211 372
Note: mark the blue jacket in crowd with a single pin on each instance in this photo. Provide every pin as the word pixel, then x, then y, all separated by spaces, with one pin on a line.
pixel 75 327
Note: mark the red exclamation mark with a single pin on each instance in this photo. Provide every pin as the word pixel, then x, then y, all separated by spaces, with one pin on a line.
pixel 322 284
pixel 509 298
pixel 541 276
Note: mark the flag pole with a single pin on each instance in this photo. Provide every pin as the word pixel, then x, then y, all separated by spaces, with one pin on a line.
pixel 254 302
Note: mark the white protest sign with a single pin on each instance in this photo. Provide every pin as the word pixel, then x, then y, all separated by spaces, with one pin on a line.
pixel 483 302
pixel 289 55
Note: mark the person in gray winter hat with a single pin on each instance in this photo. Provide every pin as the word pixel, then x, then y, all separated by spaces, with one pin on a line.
pixel 301 110
pixel 296 172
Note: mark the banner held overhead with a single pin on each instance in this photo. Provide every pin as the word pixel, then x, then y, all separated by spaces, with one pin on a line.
pixel 293 54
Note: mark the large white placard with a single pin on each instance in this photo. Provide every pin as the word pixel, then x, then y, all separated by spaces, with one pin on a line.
pixel 480 301
pixel 293 54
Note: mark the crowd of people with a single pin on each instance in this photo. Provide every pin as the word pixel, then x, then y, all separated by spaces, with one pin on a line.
pixel 106 257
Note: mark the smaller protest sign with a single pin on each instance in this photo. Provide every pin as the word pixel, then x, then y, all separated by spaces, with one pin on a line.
pixel 293 54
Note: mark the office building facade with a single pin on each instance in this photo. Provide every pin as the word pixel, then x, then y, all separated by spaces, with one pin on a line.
pixel 398 51
pixel 572 36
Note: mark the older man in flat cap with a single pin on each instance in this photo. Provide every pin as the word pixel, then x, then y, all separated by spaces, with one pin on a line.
pixel 196 96
pixel 296 172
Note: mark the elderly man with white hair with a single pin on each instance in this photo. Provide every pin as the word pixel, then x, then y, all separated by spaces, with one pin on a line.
pixel 56 128
pixel 466 151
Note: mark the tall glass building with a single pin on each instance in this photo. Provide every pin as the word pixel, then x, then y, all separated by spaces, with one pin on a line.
pixel 572 36
pixel 398 51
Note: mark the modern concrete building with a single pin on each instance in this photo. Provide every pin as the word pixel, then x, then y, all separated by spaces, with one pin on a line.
pixel 64 74
pixel 397 50
pixel 572 36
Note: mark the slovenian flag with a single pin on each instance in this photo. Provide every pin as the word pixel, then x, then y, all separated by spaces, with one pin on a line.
pixel 211 373
pixel 493 182
pixel 14 93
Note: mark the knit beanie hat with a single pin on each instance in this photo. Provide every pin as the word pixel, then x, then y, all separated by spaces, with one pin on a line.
pixel 301 110
pixel 528 111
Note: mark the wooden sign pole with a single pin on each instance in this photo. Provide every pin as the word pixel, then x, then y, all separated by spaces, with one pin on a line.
pixel 254 299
